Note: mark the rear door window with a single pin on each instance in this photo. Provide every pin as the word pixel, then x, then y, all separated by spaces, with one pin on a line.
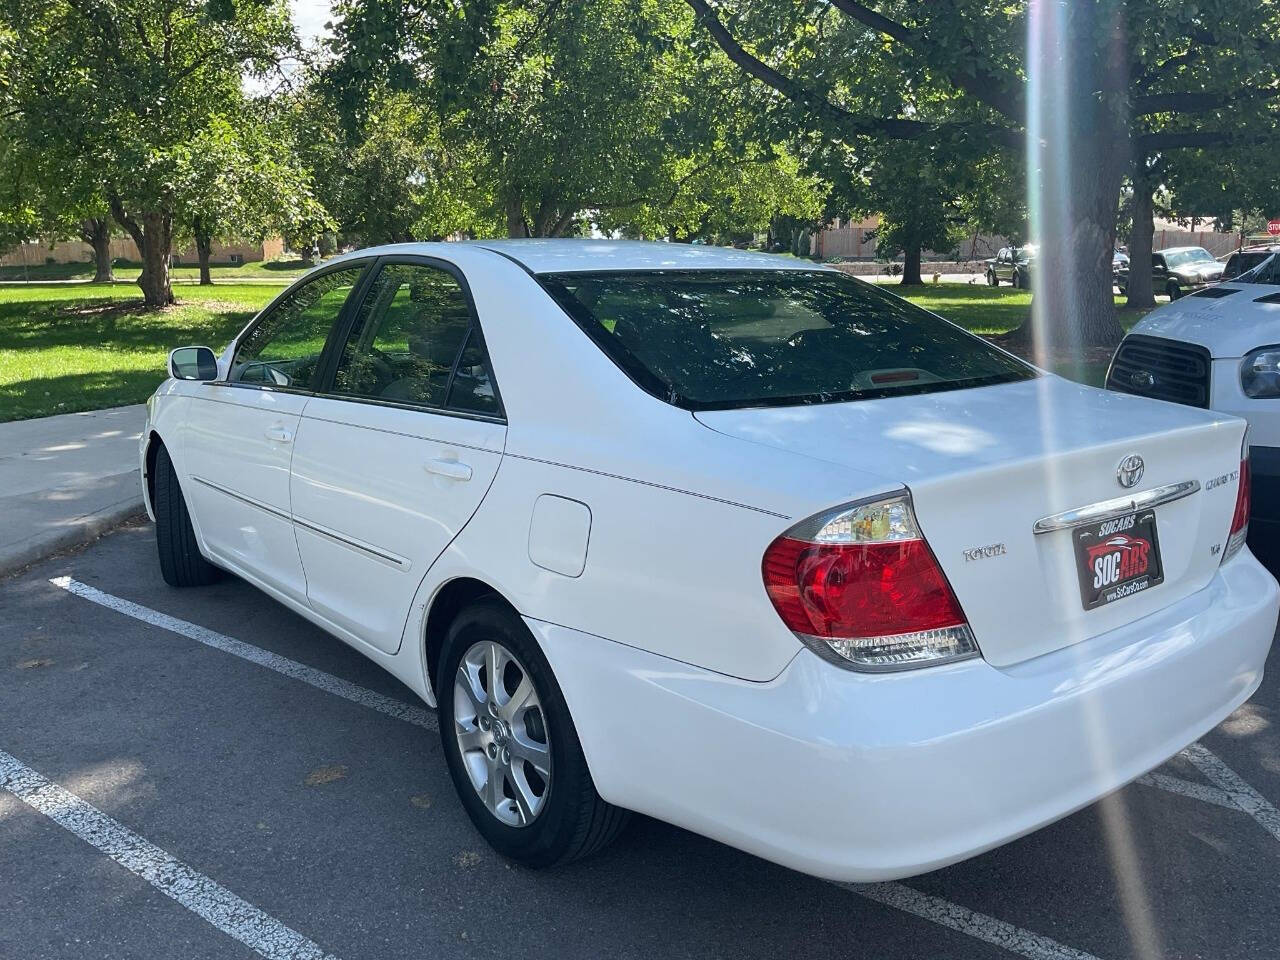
pixel 721 339
pixel 415 341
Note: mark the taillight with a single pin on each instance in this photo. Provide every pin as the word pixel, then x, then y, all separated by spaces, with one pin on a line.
pixel 1240 518
pixel 860 587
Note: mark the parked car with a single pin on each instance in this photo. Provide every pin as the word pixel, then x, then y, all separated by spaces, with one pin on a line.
pixel 741 543
pixel 1246 258
pixel 1012 264
pixel 1177 271
pixel 1217 349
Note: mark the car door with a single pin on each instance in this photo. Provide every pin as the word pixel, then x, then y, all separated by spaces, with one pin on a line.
pixel 1004 268
pixel 1159 272
pixel 240 431
pixel 396 453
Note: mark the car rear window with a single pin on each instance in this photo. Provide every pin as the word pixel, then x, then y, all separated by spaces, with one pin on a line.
pixel 705 340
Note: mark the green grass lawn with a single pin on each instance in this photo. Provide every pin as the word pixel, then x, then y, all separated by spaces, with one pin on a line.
pixel 69 347
pixel 278 270
pixel 84 347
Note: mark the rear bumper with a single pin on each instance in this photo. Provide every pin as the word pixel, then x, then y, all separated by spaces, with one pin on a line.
pixel 870 777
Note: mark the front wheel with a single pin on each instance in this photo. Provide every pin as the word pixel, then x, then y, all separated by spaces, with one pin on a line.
pixel 992 279
pixel 1173 291
pixel 511 746
pixel 181 563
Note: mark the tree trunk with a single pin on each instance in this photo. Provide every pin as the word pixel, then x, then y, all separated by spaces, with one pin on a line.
pixel 204 247
pixel 516 224
pixel 911 268
pixel 1078 133
pixel 153 234
pixel 1139 288
pixel 96 231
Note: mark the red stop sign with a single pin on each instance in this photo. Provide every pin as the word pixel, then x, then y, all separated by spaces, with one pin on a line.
pixel 1273 227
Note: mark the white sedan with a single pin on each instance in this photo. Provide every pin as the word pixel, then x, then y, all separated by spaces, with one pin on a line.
pixel 732 540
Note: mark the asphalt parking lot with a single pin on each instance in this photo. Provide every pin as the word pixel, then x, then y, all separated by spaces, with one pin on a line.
pixel 204 774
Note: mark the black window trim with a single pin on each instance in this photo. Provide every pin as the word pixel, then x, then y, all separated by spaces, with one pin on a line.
pixel 653 385
pixel 357 289
pixel 339 336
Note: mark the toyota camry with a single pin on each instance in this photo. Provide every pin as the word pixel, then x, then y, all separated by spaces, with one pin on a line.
pixel 732 540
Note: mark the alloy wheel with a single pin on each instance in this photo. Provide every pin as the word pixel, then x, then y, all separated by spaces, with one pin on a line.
pixel 502 733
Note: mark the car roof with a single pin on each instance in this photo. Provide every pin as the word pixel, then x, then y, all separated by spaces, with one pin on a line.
pixel 578 255
pixel 1178 249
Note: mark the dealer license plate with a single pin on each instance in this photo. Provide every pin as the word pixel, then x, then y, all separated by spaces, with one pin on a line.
pixel 1117 558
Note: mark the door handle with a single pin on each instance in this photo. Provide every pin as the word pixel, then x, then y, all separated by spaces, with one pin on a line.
pixel 279 434
pixel 453 469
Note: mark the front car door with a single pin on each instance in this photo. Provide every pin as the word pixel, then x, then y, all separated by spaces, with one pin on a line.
pixel 1159 272
pixel 1004 267
pixel 396 453
pixel 240 432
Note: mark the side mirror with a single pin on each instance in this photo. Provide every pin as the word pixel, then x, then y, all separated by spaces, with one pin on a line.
pixel 193 363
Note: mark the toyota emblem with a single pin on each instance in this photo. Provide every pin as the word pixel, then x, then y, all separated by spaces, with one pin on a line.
pixel 1130 470
pixel 1142 379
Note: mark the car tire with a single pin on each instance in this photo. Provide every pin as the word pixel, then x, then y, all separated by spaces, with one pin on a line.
pixel 1173 290
pixel 181 563
pixel 1019 281
pixel 568 820
pixel 992 279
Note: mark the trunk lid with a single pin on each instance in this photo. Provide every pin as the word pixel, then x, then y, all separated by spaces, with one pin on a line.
pixel 984 465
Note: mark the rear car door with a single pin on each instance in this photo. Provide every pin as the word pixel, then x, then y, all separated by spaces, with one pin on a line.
pixel 240 431
pixel 397 451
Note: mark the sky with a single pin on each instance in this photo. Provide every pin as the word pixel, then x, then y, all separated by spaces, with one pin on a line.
pixel 309 16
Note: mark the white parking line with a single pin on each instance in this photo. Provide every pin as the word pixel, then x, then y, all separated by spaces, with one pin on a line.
pixel 327 682
pixel 202 896
pixel 1196 791
pixel 943 912
pixel 1244 796
pixel 977 925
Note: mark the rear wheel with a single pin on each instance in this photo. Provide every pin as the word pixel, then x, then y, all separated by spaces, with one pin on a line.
pixel 511 746
pixel 181 563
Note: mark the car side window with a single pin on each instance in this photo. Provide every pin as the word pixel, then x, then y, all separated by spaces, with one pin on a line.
pixel 284 349
pixel 1157 261
pixel 407 344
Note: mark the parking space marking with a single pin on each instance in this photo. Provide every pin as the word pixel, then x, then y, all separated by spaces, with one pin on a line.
pixel 327 682
pixel 1245 798
pixel 970 922
pixel 1196 791
pixel 943 912
pixel 201 895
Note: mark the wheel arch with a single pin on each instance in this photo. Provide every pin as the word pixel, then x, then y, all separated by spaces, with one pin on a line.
pixel 154 443
pixel 449 600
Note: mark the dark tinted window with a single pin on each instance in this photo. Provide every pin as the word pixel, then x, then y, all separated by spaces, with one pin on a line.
pixel 284 349
pixel 1266 271
pixel 707 339
pixel 472 387
pixel 407 339
pixel 1243 261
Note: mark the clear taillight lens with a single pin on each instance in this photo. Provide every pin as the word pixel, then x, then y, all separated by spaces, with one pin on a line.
pixel 860 587
pixel 1240 518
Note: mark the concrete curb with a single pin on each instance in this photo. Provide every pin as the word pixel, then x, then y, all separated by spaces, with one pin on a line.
pixel 75 533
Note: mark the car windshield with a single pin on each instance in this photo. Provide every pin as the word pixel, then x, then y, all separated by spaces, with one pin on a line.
pixel 713 339
pixel 1268 271
pixel 1180 258
pixel 1024 254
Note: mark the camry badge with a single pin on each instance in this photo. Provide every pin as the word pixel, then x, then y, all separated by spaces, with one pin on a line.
pixel 1130 471
pixel 1142 379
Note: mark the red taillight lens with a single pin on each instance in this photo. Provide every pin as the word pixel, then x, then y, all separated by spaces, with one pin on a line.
pixel 862 584
pixel 1240 518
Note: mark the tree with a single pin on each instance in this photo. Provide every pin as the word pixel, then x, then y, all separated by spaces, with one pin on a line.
pixel 530 117
pixel 243 182
pixel 125 89
pixel 1078 93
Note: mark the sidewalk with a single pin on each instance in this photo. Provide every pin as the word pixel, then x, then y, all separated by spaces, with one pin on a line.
pixel 65 479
